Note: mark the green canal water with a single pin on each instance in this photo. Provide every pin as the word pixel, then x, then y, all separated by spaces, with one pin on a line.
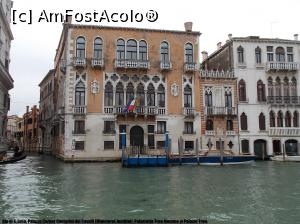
pixel 46 188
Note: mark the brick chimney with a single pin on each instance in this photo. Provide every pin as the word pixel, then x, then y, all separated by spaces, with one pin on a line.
pixel 204 55
pixel 219 45
pixel 230 36
pixel 27 109
pixel 296 36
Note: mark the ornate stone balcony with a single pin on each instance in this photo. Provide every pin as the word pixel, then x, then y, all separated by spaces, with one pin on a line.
pixel 210 133
pixel 79 62
pixel 97 63
pixel 220 111
pixel 165 65
pixel 190 67
pixel 189 111
pixel 80 110
pixel 284 131
pixel 134 64
pixel 282 100
pixel 230 133
pixel 281 66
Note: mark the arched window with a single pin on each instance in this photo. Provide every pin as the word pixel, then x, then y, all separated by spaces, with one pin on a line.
pixel 129 92
pixel 119 100
pixel 258 55
pixel 288 119
pixel 279 119
pixel 143 50
pixel 296 119
pixel 209 125
pixel 140 93
pixel 245 146
pixel 161 95
pixel 131 50
pixel 286 87
pixel 150 95
pixel 240 52
pixel 80 47
pixel 120 49
pixel 98 48
pixel 108 94
pixel 189 53
pixel 208 98
pixel 261 96
pixel 228 99
pixel 262 122
pixel 164 52
pixel 242 90
pixel 278 87
pixel 244 122
pixel 229 125
pixel 270 87
pixel 80 94
pixel 280 54
pixel 272 119
pixel 294 88
pixel 188 96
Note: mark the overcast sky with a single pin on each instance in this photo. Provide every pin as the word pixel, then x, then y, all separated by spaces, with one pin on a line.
pixel 33 47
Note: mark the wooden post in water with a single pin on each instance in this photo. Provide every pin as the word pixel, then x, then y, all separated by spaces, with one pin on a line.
pixel 284 153
pixel 221 152
pixel 197 150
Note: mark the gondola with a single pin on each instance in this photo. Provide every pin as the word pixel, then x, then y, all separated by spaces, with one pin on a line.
pixel 14 159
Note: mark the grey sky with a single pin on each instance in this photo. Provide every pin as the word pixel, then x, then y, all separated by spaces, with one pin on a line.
pixel 34 46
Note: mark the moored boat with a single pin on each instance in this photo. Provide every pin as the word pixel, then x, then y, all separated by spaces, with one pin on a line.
pixel 13 159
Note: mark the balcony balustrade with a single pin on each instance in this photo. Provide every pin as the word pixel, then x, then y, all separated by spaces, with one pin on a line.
pixel 165 65
pixel 282 66
pixel 189 111
pixel 230 133
pixel 97 63
pixel 129 63
pixel 79 62
pixel 141 110
pixel 210 133
pixel 79 109
pixel 220 111
pixel 190 67
pixel 275 100
pixel 284 131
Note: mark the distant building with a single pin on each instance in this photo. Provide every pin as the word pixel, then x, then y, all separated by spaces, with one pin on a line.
pixel 6 81
pixel 12 128
pixel 268 76
pixel 46 111
pixel 99 70
pixel 30 138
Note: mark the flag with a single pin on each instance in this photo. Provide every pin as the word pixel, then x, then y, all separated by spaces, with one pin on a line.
pixel 131 106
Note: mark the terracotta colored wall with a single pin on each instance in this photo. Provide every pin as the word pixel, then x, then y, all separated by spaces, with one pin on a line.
pixel 109 36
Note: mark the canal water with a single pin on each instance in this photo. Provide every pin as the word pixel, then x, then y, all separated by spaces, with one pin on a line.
pixel 42 187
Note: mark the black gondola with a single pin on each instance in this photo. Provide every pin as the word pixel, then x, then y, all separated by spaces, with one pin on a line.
pixel 14 159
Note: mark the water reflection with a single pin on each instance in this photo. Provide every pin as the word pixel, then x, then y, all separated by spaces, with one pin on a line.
pixel 43 187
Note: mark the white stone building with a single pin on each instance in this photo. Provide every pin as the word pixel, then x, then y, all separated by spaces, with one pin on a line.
pixel 268 76
pixel 6 81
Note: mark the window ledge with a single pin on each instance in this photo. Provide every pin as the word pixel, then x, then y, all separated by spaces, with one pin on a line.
pixel 109 134
pixel 244 131
pixel 262 66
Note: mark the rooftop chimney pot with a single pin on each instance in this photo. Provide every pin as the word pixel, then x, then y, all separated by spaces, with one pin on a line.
pixel 296 36
pixel 188 26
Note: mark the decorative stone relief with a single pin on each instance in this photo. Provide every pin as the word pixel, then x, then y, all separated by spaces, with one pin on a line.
pixel 174 89
pixel 95 87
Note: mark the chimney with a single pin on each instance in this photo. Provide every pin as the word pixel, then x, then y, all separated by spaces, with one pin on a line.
pixel 204 55
pixel 188 26
pixel 27 109
pixel 229 36
pixel 219 45
pixel 296 36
